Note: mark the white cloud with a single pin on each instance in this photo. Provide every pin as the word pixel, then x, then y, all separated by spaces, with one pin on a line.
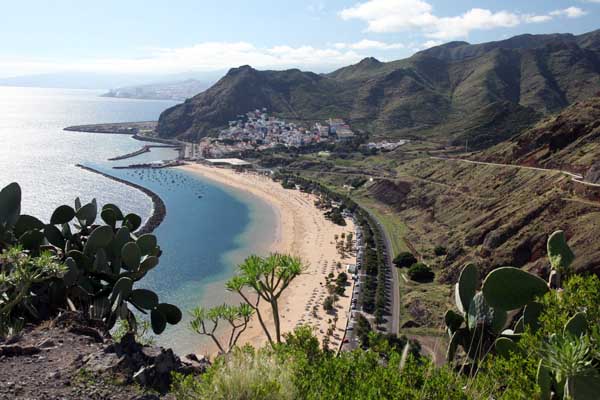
pixel 208 56
pixel 571 12
pixel 474 19
pixel 402 15
pixel 391 15
pixel 534 19
pixel 367 44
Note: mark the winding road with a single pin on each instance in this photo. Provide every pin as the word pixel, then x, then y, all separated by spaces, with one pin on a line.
pixel 574 177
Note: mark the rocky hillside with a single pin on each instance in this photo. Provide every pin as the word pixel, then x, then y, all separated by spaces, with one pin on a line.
pixel 569 140
pixel 484 93
pixel 71 357
pixel 292 93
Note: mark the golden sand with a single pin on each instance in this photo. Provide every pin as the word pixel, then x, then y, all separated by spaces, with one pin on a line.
pixel 302 231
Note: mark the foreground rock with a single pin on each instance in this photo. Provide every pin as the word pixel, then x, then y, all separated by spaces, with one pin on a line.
pixel 70 358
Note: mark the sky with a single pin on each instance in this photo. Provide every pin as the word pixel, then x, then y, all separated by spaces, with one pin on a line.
pixel 178 36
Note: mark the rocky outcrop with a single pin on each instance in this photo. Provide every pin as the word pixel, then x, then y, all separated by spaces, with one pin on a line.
pixel 74 358
pixel 593 174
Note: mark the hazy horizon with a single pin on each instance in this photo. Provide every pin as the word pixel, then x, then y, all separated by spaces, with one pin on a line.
pixel 132 43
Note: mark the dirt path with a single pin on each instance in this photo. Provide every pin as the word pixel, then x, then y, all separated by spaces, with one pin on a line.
pixel 574 177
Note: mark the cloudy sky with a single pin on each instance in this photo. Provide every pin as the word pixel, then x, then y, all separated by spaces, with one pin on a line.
pixel 165 37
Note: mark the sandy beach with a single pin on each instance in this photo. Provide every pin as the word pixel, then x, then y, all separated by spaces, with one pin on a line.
pixel 303 231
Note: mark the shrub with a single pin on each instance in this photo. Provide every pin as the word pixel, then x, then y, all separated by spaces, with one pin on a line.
pixel 404 260
pixel 328 303
pixel 242 375
pixel 336 217
pixel 342 279
pixel 440 251
pixel 580 293
pixel 19 272
pixel 421 273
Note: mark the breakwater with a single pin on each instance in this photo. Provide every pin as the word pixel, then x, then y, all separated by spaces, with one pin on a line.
pixel 144 149
pixel 154 139
pixel 123 128
pixel 159 210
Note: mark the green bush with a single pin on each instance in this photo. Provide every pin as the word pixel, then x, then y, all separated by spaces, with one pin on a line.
pixel 580 293
pixel 404 260
pixel 335 215
pixel 420 272
pixel 328 303
pixel 385 371
pixel 342 279
pixel 244 374
pixel 440 251
pixel 19 272
pixel 299 369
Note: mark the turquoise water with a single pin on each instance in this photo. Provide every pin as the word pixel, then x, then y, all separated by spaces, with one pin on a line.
pixel 208 228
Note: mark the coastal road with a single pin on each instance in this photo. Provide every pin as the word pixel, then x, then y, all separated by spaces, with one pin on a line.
pixel 394 324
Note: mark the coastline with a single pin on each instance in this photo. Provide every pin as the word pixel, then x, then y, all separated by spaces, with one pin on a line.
pixel 159 210
pixel 303 231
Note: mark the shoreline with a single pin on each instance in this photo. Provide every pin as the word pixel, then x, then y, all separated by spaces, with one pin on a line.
pixel 301 230
pixel 159 210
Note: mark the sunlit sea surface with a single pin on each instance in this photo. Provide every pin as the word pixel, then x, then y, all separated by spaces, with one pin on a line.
pixel 208 228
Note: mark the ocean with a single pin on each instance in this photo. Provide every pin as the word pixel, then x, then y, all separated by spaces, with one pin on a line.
pixel 208 228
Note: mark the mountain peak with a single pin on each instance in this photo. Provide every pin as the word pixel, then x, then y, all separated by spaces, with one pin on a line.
pixel 369 61
pixel 240 69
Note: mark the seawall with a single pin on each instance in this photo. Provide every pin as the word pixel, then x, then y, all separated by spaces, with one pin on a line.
pixel 159 210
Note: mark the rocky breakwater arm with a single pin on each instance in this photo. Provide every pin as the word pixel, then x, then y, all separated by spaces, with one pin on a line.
pixel 124 128
pixel 159 210
pixel 144 149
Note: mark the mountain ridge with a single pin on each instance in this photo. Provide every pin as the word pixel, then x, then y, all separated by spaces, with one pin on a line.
pixel 483 93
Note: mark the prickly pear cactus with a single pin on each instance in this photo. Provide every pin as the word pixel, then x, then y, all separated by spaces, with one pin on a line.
pixel 103 262
pixel 559 253
pixel 510 288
